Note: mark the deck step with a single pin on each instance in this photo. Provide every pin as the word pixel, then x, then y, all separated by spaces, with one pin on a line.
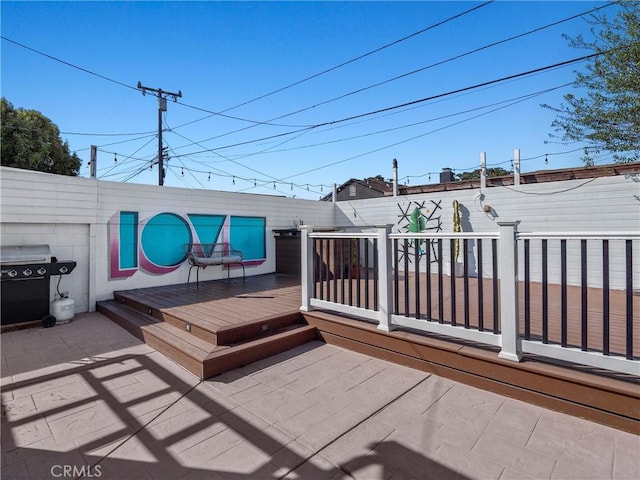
pixel 180 346
pixel 220 361
pixel 201 327
pixel 205 359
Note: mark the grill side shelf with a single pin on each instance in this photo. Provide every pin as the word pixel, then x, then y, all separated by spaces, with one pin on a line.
pixel 36 270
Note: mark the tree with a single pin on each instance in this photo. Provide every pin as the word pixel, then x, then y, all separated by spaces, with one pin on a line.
pixel 31 141
pixel 607 117
pixel 491 172
pixel 378 178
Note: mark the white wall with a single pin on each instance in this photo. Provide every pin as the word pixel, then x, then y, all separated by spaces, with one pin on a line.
pixel 605 204
pixel 71 215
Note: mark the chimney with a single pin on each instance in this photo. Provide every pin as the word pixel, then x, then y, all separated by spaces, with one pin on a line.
pixel 395 177
pixel 447 175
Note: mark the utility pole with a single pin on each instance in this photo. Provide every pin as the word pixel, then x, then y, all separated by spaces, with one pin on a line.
pixel 162 107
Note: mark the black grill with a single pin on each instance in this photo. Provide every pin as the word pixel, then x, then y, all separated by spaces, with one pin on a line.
pixel 25 273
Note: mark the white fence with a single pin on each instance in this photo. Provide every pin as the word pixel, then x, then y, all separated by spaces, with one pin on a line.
pixel 410 280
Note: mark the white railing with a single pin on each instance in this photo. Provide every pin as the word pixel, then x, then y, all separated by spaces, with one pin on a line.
pixel 402 271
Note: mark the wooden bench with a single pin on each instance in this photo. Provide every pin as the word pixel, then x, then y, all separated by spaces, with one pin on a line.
pixel 201 255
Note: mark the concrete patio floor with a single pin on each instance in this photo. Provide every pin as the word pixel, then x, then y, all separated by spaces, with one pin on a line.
pixel 88 400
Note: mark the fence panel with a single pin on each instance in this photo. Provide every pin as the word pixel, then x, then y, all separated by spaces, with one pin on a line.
pixel 565 296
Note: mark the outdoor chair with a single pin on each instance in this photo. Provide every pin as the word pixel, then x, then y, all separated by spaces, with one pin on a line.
pixel 201 255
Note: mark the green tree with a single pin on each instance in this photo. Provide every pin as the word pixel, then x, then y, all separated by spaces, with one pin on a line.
pixel 607 115
pixel 491 172
pixel 31 141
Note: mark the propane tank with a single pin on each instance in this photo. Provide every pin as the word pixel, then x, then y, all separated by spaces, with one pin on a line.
pixel 63 309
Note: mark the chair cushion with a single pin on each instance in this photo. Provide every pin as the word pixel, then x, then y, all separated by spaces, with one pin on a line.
pixel 232 259
pixel 208 260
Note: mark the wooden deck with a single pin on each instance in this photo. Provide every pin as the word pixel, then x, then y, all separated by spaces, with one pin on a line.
pixel 225 324
pixel 218 325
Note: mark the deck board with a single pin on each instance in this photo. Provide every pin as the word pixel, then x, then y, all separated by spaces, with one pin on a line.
pixel 221 304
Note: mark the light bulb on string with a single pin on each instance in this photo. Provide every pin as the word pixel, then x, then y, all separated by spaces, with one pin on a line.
pixel 546 158
pixel 233 181
pixel 115 158
pixel 209 178
pixel 182 172
pixel 255 184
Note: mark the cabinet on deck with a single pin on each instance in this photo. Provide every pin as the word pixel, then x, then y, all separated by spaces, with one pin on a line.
pixel 288 251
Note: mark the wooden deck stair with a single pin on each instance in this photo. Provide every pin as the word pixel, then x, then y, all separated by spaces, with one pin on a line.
pixel 187 335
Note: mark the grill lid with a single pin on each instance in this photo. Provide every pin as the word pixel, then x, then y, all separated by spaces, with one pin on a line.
pixel 25 254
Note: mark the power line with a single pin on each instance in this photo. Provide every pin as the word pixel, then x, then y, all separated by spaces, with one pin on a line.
pixel 470 52
pixel 104 77
pixel 403 141
pixel 360 90
pixel 107 134
pixel 387 130
pixel 413 102
pixel 360 57
pixel 69 64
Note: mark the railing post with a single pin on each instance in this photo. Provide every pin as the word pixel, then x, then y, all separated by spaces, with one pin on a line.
pixel 511 345
pixel 306 267
pixel 385 277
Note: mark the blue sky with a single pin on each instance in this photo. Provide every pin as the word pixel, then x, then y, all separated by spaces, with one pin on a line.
pixel 224 55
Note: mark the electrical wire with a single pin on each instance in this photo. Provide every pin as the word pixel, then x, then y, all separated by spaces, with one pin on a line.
pixel 129 156
pixel 104 77
pixel 538 29
pixel 227 158
pixel 422 69
pixel 387 130
pixel 69 64
pixel 376 50
pixel 107 134
pixel 413 102
pixel 360 57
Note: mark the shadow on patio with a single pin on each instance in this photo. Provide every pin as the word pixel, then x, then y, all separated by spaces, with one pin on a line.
pixel 111 407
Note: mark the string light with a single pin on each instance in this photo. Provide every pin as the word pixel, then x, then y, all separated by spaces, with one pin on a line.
pixel 115 159
pixel 282 182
